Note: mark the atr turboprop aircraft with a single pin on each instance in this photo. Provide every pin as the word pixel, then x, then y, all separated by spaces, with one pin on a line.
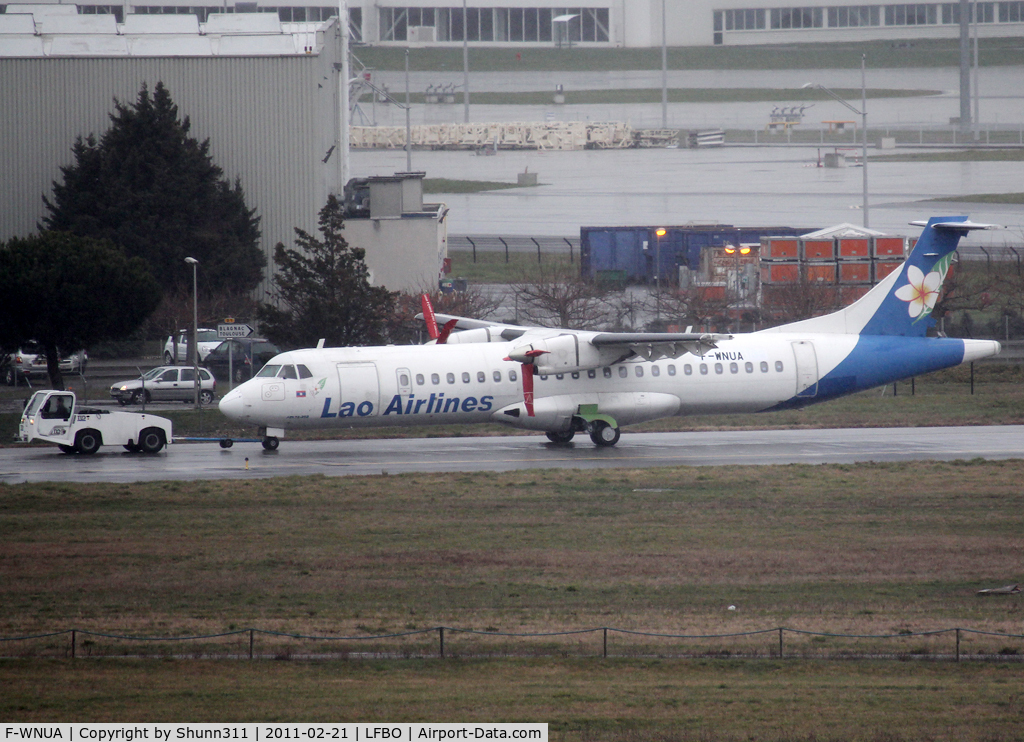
pixel 563 382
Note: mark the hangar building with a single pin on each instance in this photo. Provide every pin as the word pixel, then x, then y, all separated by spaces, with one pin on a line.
pixel 617 23
pixel 265 93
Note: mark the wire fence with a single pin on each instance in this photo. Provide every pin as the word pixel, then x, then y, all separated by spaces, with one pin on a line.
pixel 950 644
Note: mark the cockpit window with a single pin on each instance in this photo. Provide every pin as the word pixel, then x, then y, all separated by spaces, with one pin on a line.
pixel 288 372
pixel 304 373
pixel 269 370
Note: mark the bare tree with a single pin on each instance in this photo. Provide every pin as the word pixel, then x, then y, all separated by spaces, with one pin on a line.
pixel 554 295
pixel 695 306
pixel 803 299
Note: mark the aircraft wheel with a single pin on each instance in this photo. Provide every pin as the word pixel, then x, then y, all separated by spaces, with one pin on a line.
pixel 270 443
pixel 65 449
pixel 560 436
pixel 88 441
pixel 603 434
pixel 151 440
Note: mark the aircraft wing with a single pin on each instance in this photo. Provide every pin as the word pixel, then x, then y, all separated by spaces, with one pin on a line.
pixel 653 346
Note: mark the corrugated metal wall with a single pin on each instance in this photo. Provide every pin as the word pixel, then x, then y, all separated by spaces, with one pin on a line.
pixel 270 122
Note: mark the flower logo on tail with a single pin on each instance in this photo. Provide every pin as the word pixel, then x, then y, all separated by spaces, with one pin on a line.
pixel 921 292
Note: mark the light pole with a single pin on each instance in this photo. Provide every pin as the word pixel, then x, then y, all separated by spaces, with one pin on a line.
pixel 195 330
pixel 659 233
pixel 863 113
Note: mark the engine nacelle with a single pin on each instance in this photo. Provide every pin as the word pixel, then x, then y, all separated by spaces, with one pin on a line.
pixel 563 354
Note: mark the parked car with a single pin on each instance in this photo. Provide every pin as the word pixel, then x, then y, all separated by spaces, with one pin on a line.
pixel 248 356
pixel 29 362
pixel 206 340
pixel 166 384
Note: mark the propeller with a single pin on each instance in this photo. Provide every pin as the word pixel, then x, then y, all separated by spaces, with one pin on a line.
pixel 437 333
pixel 526 359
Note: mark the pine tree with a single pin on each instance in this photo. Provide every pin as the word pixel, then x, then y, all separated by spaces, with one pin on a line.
pixel 152 189
pixel 323 291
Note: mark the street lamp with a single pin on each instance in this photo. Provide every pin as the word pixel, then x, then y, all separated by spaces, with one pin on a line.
pixel 863 113
pixel 195 330
pixel 659 233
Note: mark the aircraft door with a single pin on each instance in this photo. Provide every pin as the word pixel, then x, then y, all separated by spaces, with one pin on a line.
pixel 360 389
pixel 806 368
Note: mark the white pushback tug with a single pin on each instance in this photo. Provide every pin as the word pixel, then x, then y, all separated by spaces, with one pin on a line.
pixel 56 417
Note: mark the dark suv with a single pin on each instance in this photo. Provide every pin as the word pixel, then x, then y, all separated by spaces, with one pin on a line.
pixel 247 357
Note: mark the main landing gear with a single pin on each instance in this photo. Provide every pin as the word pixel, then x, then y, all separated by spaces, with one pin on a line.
pixel 603 429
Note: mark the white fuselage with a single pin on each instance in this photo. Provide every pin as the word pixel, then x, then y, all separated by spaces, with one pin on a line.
pixel 468 383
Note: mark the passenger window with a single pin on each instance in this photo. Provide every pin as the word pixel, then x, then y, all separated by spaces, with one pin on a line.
pixel 305 373
pixel 734 368
pixel 512 375
pixel 778 366
pixel 655 371
pixel 559 376
pixel 575 374
pixel 607 372
pixel 704 369
pixel 450 377
pixel 764 367
pixel 671 369
pixel 497 375
pixel 403 379
pixel 749 367
pixel 543 377
pixel 592 373
pixel 639 371
pixel 435 379
pixel 465 377
pixel 688 369
pixel 718 368
pixel 623 372
pixel 481 376
pixel 419 379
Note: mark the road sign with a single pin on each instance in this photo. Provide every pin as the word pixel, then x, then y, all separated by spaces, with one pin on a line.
pixel 233 330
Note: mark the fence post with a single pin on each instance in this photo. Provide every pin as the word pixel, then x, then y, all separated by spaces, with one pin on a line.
pixel 538 249
pixel 569 243
pixel 440 632
pixel 74 641
pixel 252 639
pixel 502 241
pixel 958 645
pixel 605 654
pixel 470 241
pixel 972 378
pixel 780 642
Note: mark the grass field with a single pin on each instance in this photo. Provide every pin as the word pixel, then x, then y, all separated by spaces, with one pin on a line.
pixel 872 549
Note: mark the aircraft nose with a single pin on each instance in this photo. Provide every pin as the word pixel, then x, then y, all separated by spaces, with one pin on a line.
pixel 232 405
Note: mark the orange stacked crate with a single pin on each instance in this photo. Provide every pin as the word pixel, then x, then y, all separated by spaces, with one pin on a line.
pixel 820 273
pixel 854 248
pixel 854 271
pixel 815 250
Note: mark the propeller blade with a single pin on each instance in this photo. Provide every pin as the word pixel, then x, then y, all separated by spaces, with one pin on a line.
pixel 429 318
pixel 442 336
pixel 528 371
